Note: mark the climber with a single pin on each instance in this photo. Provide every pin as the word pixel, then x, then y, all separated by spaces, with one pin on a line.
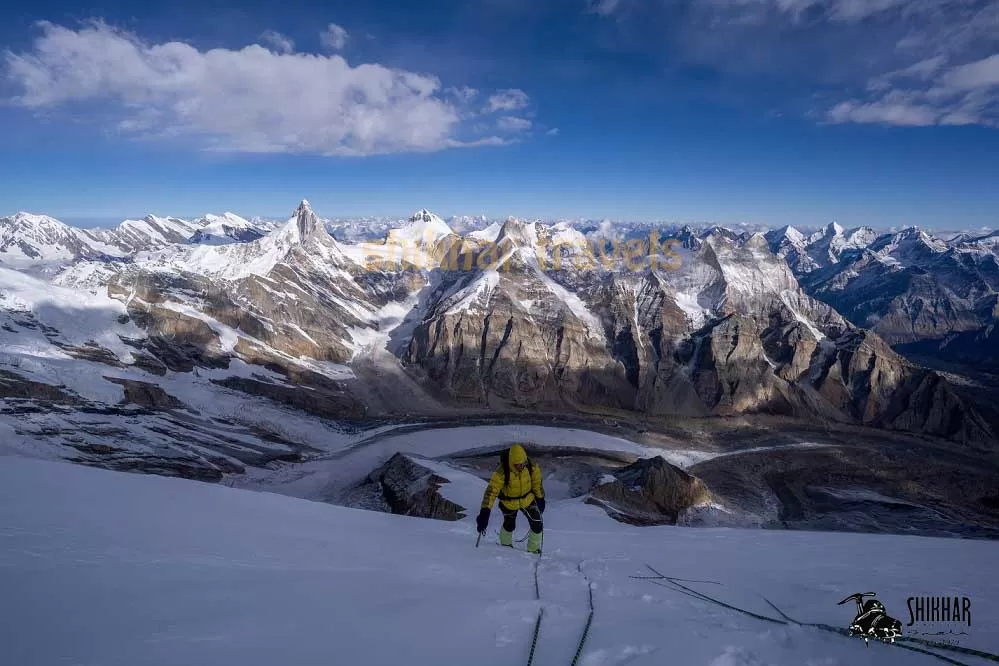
pixel 517 484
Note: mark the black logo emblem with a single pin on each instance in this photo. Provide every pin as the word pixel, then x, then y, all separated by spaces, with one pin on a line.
pixel 872 620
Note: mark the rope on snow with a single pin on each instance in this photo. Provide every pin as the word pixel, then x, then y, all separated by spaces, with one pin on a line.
pixel 683 589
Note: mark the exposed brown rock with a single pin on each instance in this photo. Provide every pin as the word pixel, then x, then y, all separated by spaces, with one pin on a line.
pixel 323 397
pixel 413 490
pixel 146 395
pixel 15 386
pixel 649 492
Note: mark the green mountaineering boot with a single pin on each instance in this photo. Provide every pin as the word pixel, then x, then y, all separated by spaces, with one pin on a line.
pixel 533 542
pixel 506 538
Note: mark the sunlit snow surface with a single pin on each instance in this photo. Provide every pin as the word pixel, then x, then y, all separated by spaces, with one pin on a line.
pixel 105 568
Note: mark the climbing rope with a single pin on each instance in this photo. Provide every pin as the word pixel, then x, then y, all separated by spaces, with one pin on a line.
pixel 683 589
pixel 541 612
pixel 534 641
pixel 589 618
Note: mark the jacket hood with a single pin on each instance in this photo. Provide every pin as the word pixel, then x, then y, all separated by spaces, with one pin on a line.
pixel 517 455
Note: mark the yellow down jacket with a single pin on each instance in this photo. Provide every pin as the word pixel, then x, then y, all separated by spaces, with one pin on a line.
pixel 522 488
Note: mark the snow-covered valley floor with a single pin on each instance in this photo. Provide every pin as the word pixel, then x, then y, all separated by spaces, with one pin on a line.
pixel 106 568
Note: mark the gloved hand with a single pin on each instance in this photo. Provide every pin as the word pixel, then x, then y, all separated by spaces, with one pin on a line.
pixel 482 522
pixel 540 501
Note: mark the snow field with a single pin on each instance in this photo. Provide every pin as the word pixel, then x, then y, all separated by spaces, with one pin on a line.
pixel 109 568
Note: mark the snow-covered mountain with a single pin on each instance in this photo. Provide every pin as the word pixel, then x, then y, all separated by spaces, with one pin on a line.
pixel 909 247
pixel 424 229
pixel 149 233
pixel 918 291
pixel 525 314
pixel 723 329
pixel 911 287
pixel 818 250
pixel 28 240
pixel 224 229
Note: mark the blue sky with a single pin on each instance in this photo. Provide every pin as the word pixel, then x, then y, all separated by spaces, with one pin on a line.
pixel 879 112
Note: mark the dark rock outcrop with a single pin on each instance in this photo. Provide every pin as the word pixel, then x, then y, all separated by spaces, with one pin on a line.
pixel 413 490
pixel 15 386
pixel 649 492
pixel 146 395
pixel 320 396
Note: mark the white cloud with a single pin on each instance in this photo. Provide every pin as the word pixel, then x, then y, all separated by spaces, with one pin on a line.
pixel 966 94
pixel 464 93
pixel 248 100
pixel 971 76
pixel 513 124
pixel 278 42
pixel 334 37
pixel 552 132
pixel 507 100
pixel 924 69
pixel 884 112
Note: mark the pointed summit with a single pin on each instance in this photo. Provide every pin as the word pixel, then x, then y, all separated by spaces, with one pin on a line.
pixel 306 220
pixel 687 237
pixel 424 215
pixel 790 233
pixel 424 228
pixel 517 233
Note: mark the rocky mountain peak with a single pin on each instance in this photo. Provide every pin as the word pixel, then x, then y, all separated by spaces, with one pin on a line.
pixel 424 215
pixel 423 228
pixel 517 233
pixel 306 221
pixel 861 237
pixel 718 231
pixel 758 240
pixel 786 234
pixel 910 238
pixel 225 228
pixel 24 216
pixel 688 238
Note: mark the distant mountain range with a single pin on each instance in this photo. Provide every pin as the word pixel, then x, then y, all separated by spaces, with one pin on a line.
pixel 425 318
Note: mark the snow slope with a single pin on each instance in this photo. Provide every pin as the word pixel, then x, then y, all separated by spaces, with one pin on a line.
pixel 34 313
pixel 115 569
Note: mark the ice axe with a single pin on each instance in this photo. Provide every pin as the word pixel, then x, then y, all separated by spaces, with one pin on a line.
pixel 859 598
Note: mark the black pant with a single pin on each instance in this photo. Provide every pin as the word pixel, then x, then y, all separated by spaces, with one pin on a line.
pixel 532 512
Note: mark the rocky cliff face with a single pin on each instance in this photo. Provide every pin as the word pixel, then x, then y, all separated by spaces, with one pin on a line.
pixel 728 332
pixel 648 492
pixel 914 290
pixel 410 489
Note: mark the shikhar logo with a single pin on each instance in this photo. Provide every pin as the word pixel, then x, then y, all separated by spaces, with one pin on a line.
pixel 939 609
pixel 872 619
